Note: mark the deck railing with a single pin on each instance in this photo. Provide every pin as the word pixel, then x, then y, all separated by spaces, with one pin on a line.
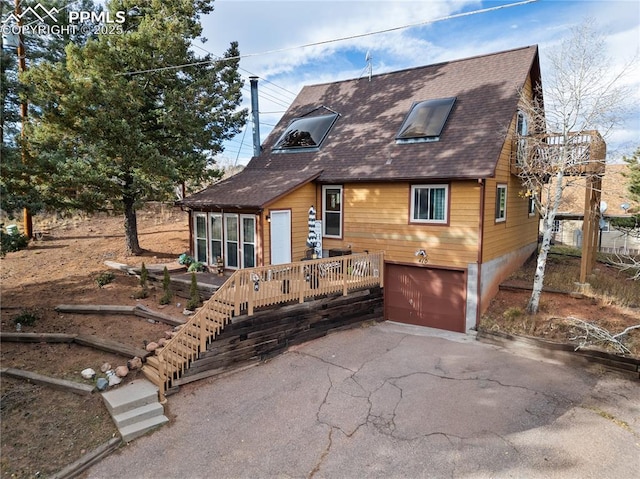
pixel 252 288
pixel 578 153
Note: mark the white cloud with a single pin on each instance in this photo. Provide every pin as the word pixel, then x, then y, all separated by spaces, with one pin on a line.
pixel 281 27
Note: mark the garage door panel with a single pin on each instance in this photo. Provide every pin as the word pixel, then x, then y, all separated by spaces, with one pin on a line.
pixel 427 297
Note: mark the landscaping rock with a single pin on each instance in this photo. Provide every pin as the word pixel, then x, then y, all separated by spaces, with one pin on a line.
pixel 168 334
pixel 162 342
pixel 88 373
pixel 102 384
pixel 113 378
pixel 122 371
pixel 152 346
pixel 105 367
pixel 135 363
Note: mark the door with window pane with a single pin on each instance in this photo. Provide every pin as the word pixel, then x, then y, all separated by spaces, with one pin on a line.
pixel 201 239
pixel 231 241
pixel 248 241
pixel 215 231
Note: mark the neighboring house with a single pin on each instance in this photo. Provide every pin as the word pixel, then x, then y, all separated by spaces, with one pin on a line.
pixel 617 204
pixel 406 162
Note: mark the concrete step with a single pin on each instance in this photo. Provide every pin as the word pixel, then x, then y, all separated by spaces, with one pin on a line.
pixel 138 414
pixel 131 432
pixel 135 394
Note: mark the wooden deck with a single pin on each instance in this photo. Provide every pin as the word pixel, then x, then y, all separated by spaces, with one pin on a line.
pixel 248 290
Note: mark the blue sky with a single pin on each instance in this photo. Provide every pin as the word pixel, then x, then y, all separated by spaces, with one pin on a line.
pixel 272 35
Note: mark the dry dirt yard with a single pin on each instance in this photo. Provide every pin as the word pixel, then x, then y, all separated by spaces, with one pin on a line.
pixel 44 430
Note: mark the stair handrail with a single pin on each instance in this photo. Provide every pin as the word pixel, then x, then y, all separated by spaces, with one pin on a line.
pixel 201 341
pixel 250 288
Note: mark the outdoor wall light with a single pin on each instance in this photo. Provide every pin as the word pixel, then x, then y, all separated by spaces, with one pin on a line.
pixel 422 256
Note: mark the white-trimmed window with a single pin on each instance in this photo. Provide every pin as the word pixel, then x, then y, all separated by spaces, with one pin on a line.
pixel 522 129
pixel 332 211
pixel 501 203
pixel 231 259
pixel 248 240
pixel 429 203
pixel 215 230
pixel 200 238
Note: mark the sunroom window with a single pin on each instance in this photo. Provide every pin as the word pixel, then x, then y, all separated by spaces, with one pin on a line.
pixel 306 132
pixel 425 121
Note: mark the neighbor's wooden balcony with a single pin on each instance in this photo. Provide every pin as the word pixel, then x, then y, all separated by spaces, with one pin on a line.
pixel 578 154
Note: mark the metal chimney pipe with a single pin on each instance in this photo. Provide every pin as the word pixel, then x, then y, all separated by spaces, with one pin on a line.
pixel 255 115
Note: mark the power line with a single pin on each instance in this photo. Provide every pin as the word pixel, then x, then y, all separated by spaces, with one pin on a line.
pixel 325 42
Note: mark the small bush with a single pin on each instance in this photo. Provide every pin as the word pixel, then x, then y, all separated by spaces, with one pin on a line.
pixel 166 287
pixel 513 313
pixel 11 242
pixel 143 293
pixel 144 276
pixel 105 278
pixel 194 296
pixel 26 318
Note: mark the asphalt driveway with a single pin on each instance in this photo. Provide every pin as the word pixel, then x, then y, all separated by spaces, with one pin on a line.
pixel 391 401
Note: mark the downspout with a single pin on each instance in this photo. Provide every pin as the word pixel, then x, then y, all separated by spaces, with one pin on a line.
pixel 255 115
pixel 480 244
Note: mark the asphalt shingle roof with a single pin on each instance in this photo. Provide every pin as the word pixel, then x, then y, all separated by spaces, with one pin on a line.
pixel 361 146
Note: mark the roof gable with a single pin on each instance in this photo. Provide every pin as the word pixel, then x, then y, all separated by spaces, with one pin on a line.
pixel 362 146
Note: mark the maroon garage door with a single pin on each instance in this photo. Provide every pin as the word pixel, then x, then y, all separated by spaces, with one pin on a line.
pixel 425 296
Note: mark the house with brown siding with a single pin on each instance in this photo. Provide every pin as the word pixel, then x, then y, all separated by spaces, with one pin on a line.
pixel 413 163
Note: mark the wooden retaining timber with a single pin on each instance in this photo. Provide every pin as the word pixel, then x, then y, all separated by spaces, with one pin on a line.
pixel 70 386
pixel 181 287
pixel 563 352
pixel 110 346
pixel 137 310
pixel 83 340
pixel 38 337
pixel 249 290
pixel 271 332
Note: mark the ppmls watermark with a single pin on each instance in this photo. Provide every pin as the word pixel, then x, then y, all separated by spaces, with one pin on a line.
pixel 39 20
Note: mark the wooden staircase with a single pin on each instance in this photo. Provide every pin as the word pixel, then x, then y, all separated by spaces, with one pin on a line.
pixel 251 288
pixel 170 362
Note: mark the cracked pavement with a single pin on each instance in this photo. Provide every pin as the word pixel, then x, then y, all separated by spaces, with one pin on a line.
pixel 389 401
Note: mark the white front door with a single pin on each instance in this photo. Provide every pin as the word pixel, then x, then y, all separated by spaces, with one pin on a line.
pixel 280 236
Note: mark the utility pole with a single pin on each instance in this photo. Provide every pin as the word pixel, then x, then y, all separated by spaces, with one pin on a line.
pixel 22 67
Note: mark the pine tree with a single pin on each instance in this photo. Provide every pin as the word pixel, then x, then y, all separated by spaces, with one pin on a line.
pixel 634 174
pixel 194 295
pixel 119 124
pixel 166 287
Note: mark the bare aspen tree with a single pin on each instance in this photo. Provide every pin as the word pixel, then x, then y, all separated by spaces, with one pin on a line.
pixel 561 140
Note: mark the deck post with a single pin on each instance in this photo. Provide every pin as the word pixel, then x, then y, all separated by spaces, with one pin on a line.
pixel 301 283
pixel 237 297
pixel 345 273
pixel 201 326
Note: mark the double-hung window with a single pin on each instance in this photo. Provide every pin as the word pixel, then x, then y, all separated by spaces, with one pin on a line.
pixel 501 203
pixel 200 238
pixel 332 211
pixel 429 203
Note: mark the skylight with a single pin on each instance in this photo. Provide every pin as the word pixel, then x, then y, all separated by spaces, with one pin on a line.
pixel 306 132
pixel 425 120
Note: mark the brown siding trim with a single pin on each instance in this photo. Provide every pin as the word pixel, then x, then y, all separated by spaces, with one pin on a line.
pixel 428 266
